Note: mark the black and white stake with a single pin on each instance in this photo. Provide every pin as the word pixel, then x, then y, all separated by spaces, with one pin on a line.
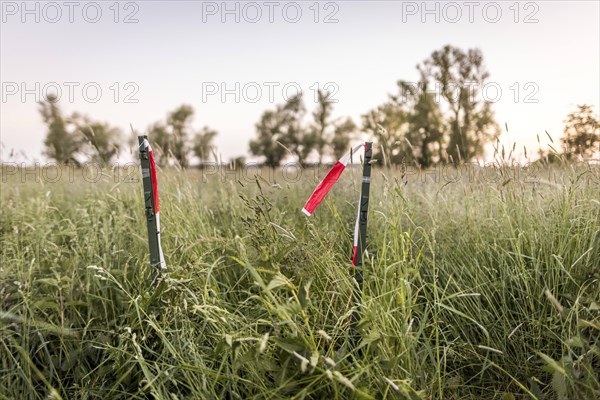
pixel 152 206
pixel 360 232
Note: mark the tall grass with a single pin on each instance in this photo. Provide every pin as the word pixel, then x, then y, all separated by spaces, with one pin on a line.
pixel 478 288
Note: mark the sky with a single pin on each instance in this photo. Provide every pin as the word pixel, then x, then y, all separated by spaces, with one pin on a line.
pixel 131 62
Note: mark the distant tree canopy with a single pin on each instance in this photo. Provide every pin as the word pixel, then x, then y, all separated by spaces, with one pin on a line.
pixel 461 75
pixel 386 125
pixel 581 132
pixel 100 141
pixel 413 127
pixel 175 138
pixel 426 124
pixel 344 131
pixel 443 117
pixel 332 137
pixel 77 139
pixel 282 131
pixel 294 136
pixel 203 143
pixel 60 144
pixel 274 129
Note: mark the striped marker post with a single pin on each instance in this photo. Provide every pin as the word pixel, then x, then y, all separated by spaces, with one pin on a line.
pixel 360 227
pixel 152 205
pixel 360 232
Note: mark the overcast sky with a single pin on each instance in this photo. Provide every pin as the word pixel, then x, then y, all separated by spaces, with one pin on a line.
pixel 132 62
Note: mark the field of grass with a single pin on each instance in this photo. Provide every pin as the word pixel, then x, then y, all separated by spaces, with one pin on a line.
pixel 482 288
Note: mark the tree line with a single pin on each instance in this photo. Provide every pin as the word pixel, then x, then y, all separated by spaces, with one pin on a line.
pixel 411 126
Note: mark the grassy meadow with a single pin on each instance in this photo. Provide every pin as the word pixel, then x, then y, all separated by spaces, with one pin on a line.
pixel 479 284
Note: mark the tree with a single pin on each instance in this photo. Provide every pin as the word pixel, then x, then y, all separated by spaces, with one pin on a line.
pixel 172 138
pixel 282 129
pixel 295 137
pixel 98 139
pixel 237 162
pixel 161 142
pixel 581 132
pixel 203 143
pixel 268 132
pixel 321 122
pixel 343 133
pixel 179 122
pixel 77 138
pixel 388 124
pixel 426 127
pixel 460 76
pixel 61 144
